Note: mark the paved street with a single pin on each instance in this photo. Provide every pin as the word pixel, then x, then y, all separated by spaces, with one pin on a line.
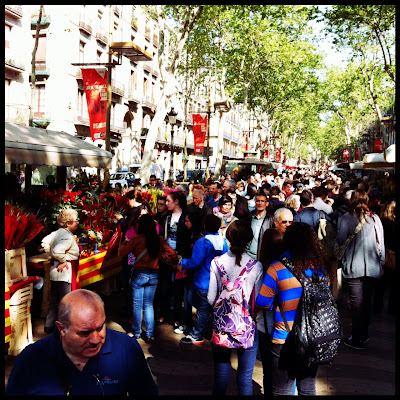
pixel 188 370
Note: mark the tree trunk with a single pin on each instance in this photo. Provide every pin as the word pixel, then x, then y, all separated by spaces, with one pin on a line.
pixel 33 67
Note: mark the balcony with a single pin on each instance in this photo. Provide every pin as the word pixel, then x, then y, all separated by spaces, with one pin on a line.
pixel 14 64
pixel 14 10
pixel 155 40
pixel 41 69
pixel 134 95
pixel 86 27
pixel 154 73
pixel 134 23
pixel 82 119
pixel 147 35
pixel 45 20
pixel 117 11
pixel 101 36
pixel 148 102
pixel 117 88
pixel 147 67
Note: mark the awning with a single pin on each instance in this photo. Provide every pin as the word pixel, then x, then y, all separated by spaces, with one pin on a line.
pixel 377 160
pixel 36 146
pixel 254 161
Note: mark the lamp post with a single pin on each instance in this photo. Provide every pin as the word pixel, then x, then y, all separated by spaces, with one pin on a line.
pixel 172 120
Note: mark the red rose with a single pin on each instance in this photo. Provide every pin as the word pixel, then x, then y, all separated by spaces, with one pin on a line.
pixel 83 198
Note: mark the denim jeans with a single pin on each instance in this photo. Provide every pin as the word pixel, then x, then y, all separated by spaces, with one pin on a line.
pixel 361 294
pixel 285 370
pixel 202 314
pixel 144 285
pixel 244 375
pixel 188 304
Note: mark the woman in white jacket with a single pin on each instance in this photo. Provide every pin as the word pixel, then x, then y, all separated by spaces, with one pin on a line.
pixel 64 252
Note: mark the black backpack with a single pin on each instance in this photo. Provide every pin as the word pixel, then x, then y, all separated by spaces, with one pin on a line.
pixel 326 232
pixel 316 336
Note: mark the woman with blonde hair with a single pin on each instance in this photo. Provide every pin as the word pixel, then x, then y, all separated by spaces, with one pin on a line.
pixel 64 252
pixel 293 203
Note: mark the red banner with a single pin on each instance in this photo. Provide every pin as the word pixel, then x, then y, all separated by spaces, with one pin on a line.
pixel 357 156
pixel 378 146
pixel 278 155
pixel 245 142
pixel 266 152
pixel 199 132
pixel 346 155
pixel 95 85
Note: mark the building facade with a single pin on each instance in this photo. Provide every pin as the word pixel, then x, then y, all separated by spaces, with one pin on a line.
pixel 82 34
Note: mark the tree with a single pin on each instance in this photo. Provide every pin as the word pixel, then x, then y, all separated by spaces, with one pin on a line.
pixel 185 17
pixel 356 26
pixel 33 66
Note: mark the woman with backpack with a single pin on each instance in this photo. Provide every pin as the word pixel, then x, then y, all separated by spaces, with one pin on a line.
pixel 234 275
pixel 147 246
pixel 306 255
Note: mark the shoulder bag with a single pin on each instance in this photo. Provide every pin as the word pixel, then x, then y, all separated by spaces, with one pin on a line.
pixel 339 250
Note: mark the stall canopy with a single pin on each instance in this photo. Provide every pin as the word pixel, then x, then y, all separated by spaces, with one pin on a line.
pixel 35 146
pixel 378 162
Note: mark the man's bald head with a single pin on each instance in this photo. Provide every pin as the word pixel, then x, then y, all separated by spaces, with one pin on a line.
pixel 77 298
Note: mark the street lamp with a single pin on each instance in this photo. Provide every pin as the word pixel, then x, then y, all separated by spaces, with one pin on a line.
pixel 172 120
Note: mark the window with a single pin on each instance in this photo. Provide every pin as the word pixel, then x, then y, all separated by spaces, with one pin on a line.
pixel 7 99
pixel 39 101
pixel 99 56
pixel 146 87
pixel 81 51
pixel 82 110
pixel 133 81
pixel 7 35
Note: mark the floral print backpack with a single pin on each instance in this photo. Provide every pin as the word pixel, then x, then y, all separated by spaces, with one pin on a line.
pixel 233 326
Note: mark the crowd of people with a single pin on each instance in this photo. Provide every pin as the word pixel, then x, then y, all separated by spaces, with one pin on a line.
pixel 229 230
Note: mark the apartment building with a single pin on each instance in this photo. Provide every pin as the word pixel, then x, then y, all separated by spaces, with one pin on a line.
pixel 82 34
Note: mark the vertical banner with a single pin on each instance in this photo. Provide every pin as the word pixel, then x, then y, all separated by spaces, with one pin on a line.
pixel 199 132
pixel 95 85
pixel 357 156
pixel 378 146
pixel 278 155
pixel 266 154
pixel 245 142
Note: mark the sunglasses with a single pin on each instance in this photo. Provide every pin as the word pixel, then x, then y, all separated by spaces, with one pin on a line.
pixel 287 222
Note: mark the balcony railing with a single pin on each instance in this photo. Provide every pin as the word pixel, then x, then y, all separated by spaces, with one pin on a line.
pixel 134 23
pixel 45 20
pixel 147 67
pixel 134 95
pixel 101 37
pixel 82 119
pixel 155 40
pixel 14 10
pixel 148 101
pixel 14 64
pixel 85 26
pixel 117 87
pixel 147 34
pixel 116 11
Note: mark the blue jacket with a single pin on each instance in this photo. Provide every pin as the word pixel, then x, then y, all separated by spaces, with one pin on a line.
pixel 44 369
pixel 308 215
pixel 204 251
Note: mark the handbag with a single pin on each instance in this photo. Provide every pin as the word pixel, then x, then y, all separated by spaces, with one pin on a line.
pixel 136 260
pixel 339 250
pixel 390 259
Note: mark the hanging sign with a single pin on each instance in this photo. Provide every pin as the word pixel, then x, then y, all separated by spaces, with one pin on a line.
pixel 357 156
pixel 346 155
pixel 378 146
pixel 95 85
pixel 278 155
pixel 199 132
pixel 266 152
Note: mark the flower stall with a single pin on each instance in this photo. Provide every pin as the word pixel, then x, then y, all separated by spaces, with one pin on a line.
pixel 20 228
